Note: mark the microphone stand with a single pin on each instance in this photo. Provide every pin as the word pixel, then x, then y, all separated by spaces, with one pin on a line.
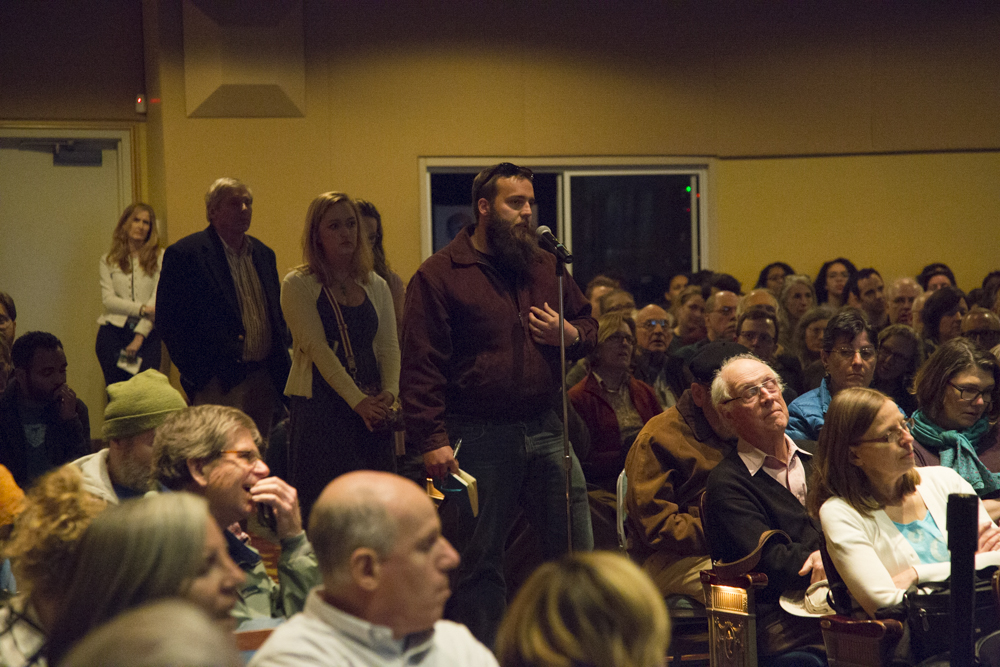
pixel 567 456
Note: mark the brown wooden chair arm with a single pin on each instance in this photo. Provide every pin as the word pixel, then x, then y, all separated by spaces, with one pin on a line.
pixel 868 628
pixel 745 581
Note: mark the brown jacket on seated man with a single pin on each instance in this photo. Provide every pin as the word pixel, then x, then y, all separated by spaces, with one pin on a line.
pixel 667 468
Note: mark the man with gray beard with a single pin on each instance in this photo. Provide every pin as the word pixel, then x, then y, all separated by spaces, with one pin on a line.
pixel 481 365
pixel 135 408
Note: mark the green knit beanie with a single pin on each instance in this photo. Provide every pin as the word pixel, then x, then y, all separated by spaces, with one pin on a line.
pixel 140 404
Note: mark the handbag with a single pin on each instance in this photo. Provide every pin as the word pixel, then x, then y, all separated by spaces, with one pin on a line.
pixel 394 422
pixel 926 609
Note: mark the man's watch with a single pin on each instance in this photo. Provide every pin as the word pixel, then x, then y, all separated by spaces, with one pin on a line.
pixel 576 341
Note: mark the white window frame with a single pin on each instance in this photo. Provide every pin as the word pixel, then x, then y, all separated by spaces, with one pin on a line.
pixel 703 250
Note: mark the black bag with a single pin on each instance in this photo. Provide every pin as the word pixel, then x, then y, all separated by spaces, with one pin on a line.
pixel 927 612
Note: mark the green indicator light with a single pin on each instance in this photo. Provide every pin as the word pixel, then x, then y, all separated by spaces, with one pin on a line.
pixel 688 188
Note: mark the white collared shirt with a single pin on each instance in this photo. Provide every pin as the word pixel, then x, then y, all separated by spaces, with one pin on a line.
pixel 791 476
pixel 324 635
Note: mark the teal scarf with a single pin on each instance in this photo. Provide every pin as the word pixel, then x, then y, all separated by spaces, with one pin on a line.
pixel 957 450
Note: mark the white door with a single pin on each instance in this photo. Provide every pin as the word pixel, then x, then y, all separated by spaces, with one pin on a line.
pixel 55 224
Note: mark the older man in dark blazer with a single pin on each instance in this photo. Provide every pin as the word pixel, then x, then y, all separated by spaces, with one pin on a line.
pixel 217 307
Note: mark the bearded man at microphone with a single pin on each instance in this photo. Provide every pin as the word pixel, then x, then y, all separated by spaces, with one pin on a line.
pixel 480 363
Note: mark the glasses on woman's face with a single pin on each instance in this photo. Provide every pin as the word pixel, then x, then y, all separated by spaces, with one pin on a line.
pixel 893 435
pixel 620 338
pixel 970 394
pixel 847 353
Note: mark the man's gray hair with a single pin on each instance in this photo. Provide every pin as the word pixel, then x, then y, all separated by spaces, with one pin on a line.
pixel 720 388
pixel 337 529
pixel 222 188
pixel 199 432
pixel 893 287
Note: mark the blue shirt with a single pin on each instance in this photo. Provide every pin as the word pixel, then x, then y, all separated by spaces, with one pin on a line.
pixel 926 539
pixel 807 413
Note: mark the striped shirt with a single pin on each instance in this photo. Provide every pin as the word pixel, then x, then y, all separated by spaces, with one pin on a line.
pixel 253 306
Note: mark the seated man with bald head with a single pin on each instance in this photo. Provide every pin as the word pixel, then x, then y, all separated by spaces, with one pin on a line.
pixel 385 568
pixel 982 327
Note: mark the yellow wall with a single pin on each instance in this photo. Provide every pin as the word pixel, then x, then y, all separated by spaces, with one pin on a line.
pixel 679 79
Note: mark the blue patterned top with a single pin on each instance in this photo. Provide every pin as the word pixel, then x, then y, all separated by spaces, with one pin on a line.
pixel 926 539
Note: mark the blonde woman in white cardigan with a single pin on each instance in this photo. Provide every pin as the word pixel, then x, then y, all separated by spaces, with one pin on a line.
pixel 342 388
pixel 884 520
pixel 129 274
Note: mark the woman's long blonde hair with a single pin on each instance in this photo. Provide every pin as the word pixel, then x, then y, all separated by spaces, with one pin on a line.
pixel 312 251
pixel 595 609
pixel 120 248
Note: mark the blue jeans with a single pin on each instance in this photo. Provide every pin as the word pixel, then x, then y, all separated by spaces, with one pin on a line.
pixel 515 463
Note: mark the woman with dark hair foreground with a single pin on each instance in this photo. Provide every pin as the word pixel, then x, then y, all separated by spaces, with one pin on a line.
pixel 958 391
pixel 885 521
pixel 597 609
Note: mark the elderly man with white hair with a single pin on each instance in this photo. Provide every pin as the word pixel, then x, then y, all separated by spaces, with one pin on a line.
pixel 762 486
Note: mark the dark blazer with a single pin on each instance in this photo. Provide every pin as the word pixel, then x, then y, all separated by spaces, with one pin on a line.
pixel 65 441
pixel 741 508
pixel 199 316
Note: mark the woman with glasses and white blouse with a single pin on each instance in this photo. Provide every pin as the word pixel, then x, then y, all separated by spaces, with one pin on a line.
pixel 884 519
pixel 958 391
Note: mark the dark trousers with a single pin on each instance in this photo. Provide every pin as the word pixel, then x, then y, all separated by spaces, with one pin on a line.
pixel 111 340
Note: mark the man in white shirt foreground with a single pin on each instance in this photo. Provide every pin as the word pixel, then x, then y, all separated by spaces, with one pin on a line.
pixel 385 570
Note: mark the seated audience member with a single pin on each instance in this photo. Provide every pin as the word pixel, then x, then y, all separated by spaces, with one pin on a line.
pixel 42 422
pixel 958 391
pixel 689 311
pixel 900 295
pixel 831 282
pixel 849 350
pixel 723 282
pixel 165 633
pixel 773 277
pixel 885 521
pixel 991 283
pixel 613 404
pixel 677 283
pixel 761 486
pixel 385 568
pixel 135 408
pixel 757 330
pixel 982 327
pixel 900 354
pixel 598 286
pixel 667 468
pixel 809 342
pixel 41 547
pixel 214 451
pixel 145 549
pixel 653 335
pixel 616 299
pixel 866 291
pixel 797 297
pixel 761 298
pixel 942 316
pixel 720 322
pixel 594 609
pixel 935 276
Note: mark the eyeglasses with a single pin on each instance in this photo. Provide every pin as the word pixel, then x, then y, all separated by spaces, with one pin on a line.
pixel 652 324
pixel 847 353
pixel 893 435
pixel 970 394
pixel 754 337
pixel 620 338
pixel 248 456
pixel 750 394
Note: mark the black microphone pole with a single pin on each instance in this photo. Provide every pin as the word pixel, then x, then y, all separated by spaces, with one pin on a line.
pixel 551 243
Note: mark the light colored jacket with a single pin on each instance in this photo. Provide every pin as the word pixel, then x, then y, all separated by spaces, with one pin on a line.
pixel 122 294
pixel 868 551
pixel 96 480
pixel 299 293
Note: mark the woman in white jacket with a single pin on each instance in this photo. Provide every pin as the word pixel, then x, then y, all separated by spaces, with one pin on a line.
pixel 345 358
pixel 884 520
pixel 129 276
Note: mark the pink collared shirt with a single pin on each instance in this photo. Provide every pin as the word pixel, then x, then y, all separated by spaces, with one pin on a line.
pixel 791 476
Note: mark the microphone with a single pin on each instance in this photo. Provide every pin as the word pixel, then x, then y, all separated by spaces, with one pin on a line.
pixel 552 244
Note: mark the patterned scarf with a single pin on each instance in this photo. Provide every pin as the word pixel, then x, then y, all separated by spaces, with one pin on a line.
pixel 957 450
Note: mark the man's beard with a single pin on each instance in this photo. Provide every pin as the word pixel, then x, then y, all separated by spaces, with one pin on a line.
pixel 514 248
pixel 134 475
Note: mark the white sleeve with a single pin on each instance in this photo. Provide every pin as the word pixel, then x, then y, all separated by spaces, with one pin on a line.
pixel 298 303
pixel 113 302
